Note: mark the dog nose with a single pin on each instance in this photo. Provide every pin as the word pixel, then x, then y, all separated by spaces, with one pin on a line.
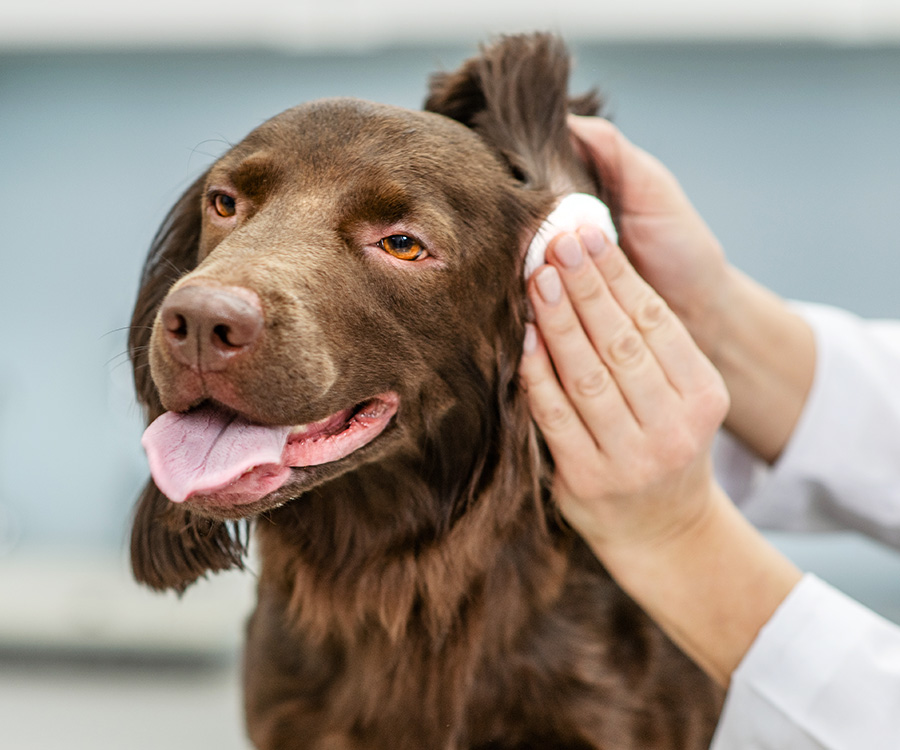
pixel 207 327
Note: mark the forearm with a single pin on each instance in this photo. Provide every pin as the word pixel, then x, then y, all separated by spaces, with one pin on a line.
pixel 824 674
pixel 711 587
pixel 766 354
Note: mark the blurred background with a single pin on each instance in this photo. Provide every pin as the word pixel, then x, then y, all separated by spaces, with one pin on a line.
pixel 780 117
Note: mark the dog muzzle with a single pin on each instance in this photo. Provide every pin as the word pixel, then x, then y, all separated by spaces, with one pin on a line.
pixel 573 211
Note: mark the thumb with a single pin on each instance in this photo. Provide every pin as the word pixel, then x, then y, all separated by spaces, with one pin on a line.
pixel 638 183
pixel 600 143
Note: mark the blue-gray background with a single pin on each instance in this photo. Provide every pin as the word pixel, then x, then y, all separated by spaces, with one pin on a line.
pixel 789 150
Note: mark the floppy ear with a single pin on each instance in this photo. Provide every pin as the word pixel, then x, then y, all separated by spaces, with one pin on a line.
pixel 515 96
pixel 170 547
pixel 173 253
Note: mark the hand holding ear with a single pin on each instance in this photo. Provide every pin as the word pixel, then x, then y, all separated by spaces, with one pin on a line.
pixel 628 406
pixel 626 402
pixel 660 230
pixel 765 352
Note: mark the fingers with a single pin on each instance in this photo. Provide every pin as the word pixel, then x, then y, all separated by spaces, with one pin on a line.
pixel 665 335
pixel 638 184
pixel 584 378
pixel 566 435
pixel 614 364
pixel 586 329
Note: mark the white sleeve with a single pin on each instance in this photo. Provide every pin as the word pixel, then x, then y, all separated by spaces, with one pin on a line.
pixel 823 674
pixel 841 467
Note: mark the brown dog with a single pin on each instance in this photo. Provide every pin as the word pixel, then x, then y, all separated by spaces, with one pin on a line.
pixel 338 359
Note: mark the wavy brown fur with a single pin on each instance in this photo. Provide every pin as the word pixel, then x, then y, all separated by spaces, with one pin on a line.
pixel 425 594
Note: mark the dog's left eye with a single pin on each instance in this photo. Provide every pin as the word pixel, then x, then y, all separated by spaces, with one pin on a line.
pixel 403 247
pixel 224 205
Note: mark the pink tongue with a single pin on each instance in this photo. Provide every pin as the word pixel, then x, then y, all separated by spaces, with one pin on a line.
pixel 209 451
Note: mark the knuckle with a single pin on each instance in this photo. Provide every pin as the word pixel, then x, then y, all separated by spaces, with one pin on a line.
pixel 712 403
pixel 593 383
pixel 553 417
pixel 532 378
pixel 627 348
pixel 590 288
pixel 614 266
pixel 651 313
pixel 561 326
pixel 715 411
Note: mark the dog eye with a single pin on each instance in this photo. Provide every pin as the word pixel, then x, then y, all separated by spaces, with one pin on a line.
pixel 224 205
pixel 403 247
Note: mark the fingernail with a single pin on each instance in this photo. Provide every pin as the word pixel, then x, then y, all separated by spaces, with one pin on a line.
pixel 594 240
pixel 530 344
pixel 567 249
pixel 549 285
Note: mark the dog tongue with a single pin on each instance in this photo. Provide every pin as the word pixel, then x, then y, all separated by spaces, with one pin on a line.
pixel 209 451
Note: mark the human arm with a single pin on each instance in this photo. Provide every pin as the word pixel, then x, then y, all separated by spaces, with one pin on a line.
pixel 807 668
pixel 813 432
pixel 841 467
pixel 633 474
pixel 824 674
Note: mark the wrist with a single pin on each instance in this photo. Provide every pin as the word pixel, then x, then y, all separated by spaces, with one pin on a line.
pixel 715 316
pixel 637 558
pixel 711 587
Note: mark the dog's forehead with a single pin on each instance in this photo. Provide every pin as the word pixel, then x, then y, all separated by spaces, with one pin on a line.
pixel 327 130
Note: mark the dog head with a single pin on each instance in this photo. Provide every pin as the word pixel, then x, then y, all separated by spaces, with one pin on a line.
pixel 347 287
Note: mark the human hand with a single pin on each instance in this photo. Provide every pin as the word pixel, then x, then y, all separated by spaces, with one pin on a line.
pixel 664 236
pixel 628 406
pixel 632 414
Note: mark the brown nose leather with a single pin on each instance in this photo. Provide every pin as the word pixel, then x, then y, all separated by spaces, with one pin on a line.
pixel 207 327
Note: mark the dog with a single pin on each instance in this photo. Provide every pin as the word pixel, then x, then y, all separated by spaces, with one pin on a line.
pixel 326 340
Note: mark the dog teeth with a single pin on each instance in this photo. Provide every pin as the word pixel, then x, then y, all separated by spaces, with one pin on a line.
pixel 373 410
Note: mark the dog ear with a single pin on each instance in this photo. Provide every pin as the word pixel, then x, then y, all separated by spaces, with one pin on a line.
pixel 172 254
pixel 170 547
pixel 515 96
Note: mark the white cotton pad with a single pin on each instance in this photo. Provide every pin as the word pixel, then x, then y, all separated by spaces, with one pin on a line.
pixel 570 213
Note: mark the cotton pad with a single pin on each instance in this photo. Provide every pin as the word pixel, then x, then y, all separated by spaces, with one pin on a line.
pixel 570 213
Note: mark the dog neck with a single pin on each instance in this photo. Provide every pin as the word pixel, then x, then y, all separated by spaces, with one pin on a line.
pixel 349 556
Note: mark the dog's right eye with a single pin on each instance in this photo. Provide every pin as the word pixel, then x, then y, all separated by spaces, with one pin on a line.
pixel 403 247
pixel 224 205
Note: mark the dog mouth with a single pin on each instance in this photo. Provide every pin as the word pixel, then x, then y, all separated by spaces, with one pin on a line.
pixel 215 455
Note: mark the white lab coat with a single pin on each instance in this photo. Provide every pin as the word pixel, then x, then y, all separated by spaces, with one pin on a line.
pixel 825 671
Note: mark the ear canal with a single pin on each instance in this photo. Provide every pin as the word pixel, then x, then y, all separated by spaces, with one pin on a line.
pixel 515 96
pixel 170 548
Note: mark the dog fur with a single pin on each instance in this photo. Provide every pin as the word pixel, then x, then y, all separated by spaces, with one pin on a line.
pixel 421 592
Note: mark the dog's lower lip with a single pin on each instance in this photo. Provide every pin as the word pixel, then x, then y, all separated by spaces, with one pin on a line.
pixel 338 422
pixel 340 434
